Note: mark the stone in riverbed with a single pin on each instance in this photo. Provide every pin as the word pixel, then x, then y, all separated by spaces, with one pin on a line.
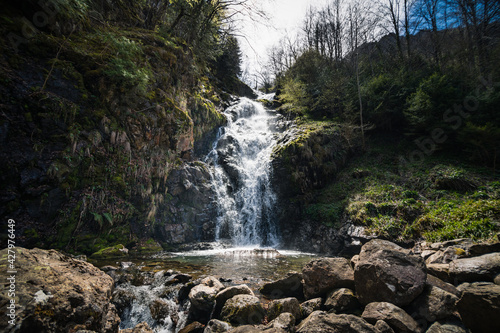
pixel 289 286
pixel 194 327
pixel 217 326
pixel 228 293
pixel 202 296
pixel 279 306
pixel 285 321
pixel 387 273
pixel 139 328
pixel 242 310
pixel 433 304
pixel 342 300
pixel 447 326
pixel 323 275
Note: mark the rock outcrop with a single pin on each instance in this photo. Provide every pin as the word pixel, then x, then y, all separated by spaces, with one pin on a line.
pixel 56 293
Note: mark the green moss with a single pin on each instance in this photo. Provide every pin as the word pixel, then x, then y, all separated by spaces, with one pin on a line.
pixel 110 252
pixel 446 220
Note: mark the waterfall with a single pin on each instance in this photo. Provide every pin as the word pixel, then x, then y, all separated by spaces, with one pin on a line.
pixel 241 177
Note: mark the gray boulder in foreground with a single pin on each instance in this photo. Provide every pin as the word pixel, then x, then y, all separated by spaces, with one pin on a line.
pixel 323 275
pixel 385 272
pixel 56 293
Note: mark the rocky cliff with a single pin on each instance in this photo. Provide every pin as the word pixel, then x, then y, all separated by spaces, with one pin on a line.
pixel 307 158
pixel 96 127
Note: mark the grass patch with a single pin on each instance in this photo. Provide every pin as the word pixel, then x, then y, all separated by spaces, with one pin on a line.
pixel 437 199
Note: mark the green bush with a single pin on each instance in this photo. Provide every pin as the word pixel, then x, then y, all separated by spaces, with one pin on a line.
pixel 425 107
pixel 481 142
pixel 328 214
pixel 124 67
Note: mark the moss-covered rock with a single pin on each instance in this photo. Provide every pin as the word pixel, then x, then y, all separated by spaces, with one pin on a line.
pixel 116 251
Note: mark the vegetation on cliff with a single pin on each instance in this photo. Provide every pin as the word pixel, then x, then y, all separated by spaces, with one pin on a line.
pixel 100 102
pixel 422 105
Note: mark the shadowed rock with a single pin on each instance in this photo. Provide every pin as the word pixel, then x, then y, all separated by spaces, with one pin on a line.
pixel 386 273
pixel 324 275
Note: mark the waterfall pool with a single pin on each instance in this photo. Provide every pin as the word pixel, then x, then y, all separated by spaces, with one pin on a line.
pixel 152 298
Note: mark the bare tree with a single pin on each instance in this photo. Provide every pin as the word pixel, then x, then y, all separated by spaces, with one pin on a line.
pixel 476 16
pixel 360 30
pixel 429 11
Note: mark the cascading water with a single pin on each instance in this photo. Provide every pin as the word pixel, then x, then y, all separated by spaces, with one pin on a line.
pixel 241 159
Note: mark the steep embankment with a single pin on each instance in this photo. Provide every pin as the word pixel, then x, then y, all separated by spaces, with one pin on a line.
pixel 335 195
pixel 93 121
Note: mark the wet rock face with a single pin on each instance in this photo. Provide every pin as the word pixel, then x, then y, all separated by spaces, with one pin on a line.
pixel 56 293
pixel 190 208
pixel 303 161
pixel 386 273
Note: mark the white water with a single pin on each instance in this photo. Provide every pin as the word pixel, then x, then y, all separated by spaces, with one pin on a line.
pixel 242 170
pixel 139 310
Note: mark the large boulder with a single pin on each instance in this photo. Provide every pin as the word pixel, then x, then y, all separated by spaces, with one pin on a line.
pixel 242 310
pixel 56 293
pixel 323 322
pixel 279 306
pixel 289 286
pixel 434 304
pixel 227 293
pixel 482 268
pixel 396 317
pixel 342 300
pixel 479 306
pixel 323 275
pixel 203 295
pixel 385 272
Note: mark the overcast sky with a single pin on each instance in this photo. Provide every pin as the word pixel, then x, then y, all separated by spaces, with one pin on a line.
pixel 285 16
